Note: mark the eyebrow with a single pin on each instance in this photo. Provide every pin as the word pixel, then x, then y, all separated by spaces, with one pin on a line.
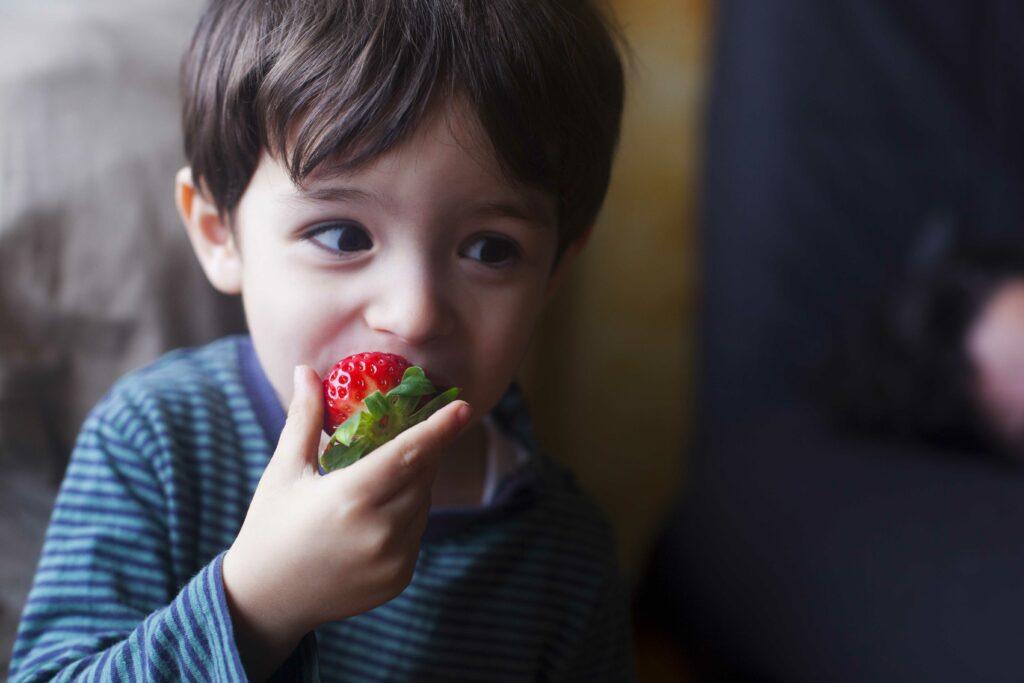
pixel 524 211
pixel 337 194
pixel 531 215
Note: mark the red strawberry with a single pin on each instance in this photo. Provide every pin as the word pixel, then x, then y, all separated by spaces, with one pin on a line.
pixel 354 378
pixel 368 399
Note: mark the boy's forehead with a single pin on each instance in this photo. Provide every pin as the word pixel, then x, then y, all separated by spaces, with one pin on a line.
pixel 499 197
pixel 449 142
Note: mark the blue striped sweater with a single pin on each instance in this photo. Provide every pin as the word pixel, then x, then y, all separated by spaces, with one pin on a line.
pixel 129 583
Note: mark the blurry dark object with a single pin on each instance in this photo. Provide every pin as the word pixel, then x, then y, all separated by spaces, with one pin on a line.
pixel 837 131
pixel 906 369
pixel 800 556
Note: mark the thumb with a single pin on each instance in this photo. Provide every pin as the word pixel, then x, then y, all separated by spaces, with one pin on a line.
pixel 300 439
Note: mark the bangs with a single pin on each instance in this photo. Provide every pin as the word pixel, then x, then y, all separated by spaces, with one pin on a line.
pixel 343 107
pixel 330 85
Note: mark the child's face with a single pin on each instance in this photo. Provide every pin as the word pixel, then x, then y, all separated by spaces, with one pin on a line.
pixel 428 252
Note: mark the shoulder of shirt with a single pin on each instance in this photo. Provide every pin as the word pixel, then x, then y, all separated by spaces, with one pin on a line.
pixel 212 367
pixel 572 517
pixel 179 385
pixel 559 491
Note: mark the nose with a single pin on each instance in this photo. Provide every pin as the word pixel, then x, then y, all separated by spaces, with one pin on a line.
pixel 412 305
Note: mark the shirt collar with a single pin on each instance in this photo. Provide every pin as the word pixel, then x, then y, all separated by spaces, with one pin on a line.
pixel 265 402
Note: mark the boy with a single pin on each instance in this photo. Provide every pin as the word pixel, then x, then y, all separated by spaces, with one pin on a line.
pixel 407 176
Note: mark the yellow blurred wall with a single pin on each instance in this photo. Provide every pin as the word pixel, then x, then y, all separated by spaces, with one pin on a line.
pixel 610 375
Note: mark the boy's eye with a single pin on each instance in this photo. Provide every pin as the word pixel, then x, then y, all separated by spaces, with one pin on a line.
pixel 343 237
pixel 491 250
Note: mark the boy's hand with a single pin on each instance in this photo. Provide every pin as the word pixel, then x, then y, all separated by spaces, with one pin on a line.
pixel 313 548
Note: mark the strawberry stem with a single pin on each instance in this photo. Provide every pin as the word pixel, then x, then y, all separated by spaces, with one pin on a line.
pixel 384 418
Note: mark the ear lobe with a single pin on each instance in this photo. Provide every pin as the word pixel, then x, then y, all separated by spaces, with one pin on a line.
pixel 212 240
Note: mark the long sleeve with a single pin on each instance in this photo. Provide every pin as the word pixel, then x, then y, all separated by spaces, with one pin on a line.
pixel 105 604
pixel 129 585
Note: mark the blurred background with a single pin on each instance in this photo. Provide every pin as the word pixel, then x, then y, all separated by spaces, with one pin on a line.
pixel 611 371
pixel 787 364
pixel 852 498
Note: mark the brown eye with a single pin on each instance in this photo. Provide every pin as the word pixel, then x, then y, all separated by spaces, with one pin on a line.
pixel 342 237
pixel 491 250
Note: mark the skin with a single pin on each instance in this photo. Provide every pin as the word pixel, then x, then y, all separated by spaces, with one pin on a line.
pixel 995 345
pixel 430 252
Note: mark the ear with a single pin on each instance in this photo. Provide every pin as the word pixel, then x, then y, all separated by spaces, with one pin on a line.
pixel 563 266
pixel 213 241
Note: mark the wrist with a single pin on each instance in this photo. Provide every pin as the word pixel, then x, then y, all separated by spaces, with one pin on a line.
pixel 265 629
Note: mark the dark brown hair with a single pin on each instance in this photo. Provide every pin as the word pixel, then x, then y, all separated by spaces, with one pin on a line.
pixel 335 83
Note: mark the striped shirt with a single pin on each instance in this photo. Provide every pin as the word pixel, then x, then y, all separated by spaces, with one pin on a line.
pixel 129 583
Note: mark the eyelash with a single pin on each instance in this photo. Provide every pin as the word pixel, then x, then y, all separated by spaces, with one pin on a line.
pixel 324 228
pixel 515 254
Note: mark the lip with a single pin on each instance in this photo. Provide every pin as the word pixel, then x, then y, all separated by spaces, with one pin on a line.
pixel 441 380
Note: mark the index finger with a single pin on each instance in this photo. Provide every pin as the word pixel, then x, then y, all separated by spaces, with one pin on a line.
pixel 388 469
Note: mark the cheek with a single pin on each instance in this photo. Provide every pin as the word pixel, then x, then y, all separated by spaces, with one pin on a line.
pixel 270 320
pixel 291 321
pixel 277 303
pixel 503 331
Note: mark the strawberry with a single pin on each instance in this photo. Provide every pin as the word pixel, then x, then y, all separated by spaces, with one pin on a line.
pixel 369 398
pixel 354 378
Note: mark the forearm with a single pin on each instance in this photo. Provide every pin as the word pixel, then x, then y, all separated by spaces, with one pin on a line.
pixel 189 639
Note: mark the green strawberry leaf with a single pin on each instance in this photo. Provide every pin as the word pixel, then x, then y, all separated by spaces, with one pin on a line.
pixel 435 404
pixel 339 455
pixel 346 431
pixel 383 418
pixel 377 405
pixel 366 425
pixel 404 405
pixel 414 383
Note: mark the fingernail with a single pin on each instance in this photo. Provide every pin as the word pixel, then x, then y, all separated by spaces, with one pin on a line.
pixel 463 413
pixel 296 378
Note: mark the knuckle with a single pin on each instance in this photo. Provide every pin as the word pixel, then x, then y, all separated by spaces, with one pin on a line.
pixel 411 458
pixel 344 512
pixel 376 544
pixel 398 571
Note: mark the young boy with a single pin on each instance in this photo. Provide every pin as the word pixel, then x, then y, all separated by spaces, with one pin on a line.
pixel 407 176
